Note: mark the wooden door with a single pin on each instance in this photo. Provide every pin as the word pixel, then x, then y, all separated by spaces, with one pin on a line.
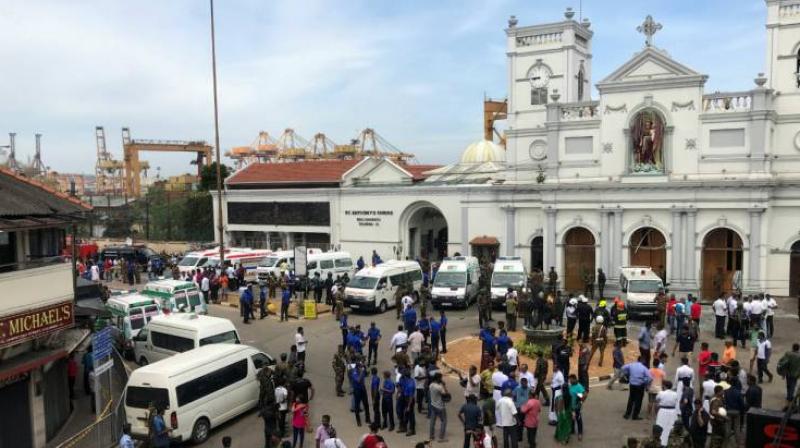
pixel 648 247
pixel 578 258
pixel 722 257
pixel 794 270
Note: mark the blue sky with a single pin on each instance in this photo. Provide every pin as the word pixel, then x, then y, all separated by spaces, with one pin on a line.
pixel 416 71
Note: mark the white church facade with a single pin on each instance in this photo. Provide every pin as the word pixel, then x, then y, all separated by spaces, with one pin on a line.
pixel 703 187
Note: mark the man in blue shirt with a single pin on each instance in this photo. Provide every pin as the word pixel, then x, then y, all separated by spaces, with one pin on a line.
pixel 357 376
pixel 405 403
pixel 436 331
pixel 639 379
pixel 503 342
pixel 344 328
pixel 375 395
pixel 410 319
pixel 355 342
pixel 424 327
pixel 488 339
pixel 286 296
pixel 443 332
pixel 160 437
pixel 246 300
pixel 360 263
pixel 387 395
pixel 374 336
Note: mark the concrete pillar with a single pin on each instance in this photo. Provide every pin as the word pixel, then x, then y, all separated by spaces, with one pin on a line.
pixel 754 260
pixel 550 239
pixel 511 230
pixel 690 251
pixel 616 244
pixel 676 267
pixel 605 241
pixel 465 231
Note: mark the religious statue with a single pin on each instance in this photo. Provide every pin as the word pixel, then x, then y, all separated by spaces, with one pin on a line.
pixel 647 133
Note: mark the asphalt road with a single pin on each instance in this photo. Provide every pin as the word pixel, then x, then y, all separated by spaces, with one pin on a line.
pixel 602 414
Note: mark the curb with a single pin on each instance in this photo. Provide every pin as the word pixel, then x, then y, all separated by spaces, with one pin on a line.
pixel 592 380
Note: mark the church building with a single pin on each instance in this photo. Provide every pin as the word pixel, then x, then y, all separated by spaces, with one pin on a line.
pixel 655 171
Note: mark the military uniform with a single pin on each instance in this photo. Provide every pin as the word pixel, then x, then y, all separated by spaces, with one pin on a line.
pixel 661 309
pixel 268 407
pixel 599 340
pixel 678 437
pixel 484 307
pixel 339 368
pixel 424 297
pixel 338 307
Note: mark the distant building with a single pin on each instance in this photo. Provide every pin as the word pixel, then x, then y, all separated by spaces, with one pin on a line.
pixel 36 310
pixel 703 187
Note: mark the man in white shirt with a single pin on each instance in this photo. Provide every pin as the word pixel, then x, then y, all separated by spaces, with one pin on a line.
pixel 407 301
pixel 667 401
pixel 660 340
pixel 684 371
pixel 505 412
pixel 708 387
pixel 281 398
pixel 415 340
pixel 95 273
pixel 498 378
pixel 769 306
pixel 513 357
pixel 399 340
pixel 420 374
pixel 732 305
pixel 524 373
pixel 763 351
pixel 300 341
pixel 756 313
pixel 473 386
pixel 205 287
pixel 557 385
pixel 720 313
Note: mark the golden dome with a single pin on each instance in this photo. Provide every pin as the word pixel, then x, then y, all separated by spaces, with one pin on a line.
pixel 483 151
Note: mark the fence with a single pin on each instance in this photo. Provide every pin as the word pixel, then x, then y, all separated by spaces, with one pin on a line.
pixel 107 429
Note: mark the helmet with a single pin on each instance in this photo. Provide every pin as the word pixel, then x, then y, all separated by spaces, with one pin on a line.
pixel 573 301
pixel 602 304
pixel 599 319
pixel 722 412
pixel 584 299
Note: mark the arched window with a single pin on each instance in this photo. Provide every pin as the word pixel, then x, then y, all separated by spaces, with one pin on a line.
pixel 581 81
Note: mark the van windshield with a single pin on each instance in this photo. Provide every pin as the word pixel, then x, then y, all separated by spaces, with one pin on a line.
pixel 269 261
pixel 362 282
pixel 645 286
pixel 194 300
pixel 137 322
pixel 142 397
pixel 188 261
pixel 228 337
pixel 181 303
pixel 450 279
pixel 508 279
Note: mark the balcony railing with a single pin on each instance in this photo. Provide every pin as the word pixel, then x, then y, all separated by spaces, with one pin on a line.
pixel 727 102
pixel 579 111
pixel 539 39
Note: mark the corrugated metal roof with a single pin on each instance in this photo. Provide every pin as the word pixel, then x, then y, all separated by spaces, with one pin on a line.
pixel 20 196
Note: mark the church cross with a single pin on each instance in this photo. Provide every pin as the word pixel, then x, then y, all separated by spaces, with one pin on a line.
pixel 649 27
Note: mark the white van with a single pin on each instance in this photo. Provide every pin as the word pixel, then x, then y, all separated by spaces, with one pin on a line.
pixel 509 272
pixel 373 288
pixel 456 282
pixel 273 262
pixel 337 263
pixel 129 314
pixel 198 390
pixel 177 296
pixel 198 259
pixel 168 335
pixel 640 287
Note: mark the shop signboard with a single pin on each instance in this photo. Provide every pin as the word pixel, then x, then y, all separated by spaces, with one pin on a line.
pixel 36 322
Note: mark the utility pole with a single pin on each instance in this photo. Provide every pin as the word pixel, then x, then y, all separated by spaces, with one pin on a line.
pixel 220 232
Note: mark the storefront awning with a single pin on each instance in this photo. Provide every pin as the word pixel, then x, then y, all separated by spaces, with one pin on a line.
pixel 19 365
pixel 484 241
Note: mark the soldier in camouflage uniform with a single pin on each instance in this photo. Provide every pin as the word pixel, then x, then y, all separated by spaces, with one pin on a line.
pixel 424 299
pixel 484 306
pixel 679 437
pixel 267 406
pixel 338 307
pixel 654 441
pixel 339 368
pixel 398 297
pixel 281 374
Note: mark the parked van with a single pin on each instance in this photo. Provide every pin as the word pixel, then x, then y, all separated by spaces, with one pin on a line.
pixel 640 287
pixel 129 314
pixel 456 282
pixel 509 272
pixel 374 287
pixel 336 263
pixel 198 259
pixel 141 254
pixel 177 296
pixel 198 390
pixel 273 263
pixel 249 258
pixel 168 335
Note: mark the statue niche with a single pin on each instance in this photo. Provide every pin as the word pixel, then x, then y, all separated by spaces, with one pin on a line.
pixel 647 135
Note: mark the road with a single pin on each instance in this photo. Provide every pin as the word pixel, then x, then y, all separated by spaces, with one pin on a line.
pixel 603 409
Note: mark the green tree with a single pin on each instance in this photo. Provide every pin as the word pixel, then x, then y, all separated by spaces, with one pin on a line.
pixel 208 176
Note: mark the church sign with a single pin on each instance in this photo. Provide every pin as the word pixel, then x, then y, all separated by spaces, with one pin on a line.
pixel 369 218
pixel 35 323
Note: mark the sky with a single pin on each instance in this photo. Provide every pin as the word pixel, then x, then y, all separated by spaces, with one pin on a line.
pixel 416 71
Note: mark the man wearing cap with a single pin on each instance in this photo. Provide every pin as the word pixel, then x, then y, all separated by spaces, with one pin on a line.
pixel 599 339
pixel 584 314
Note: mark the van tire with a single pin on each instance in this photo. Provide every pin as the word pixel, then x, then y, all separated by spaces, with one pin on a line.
pixel 383 306
pixel 143 361
pixel 200 431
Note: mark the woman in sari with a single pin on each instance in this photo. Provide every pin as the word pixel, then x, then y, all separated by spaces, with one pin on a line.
pixel 564 417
